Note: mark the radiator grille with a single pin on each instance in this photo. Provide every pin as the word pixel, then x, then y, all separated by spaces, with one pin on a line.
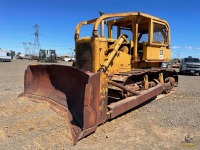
pixel 84 56
pixel 192 66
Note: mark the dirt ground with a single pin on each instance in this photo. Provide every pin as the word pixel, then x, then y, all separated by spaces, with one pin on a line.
pixel 160 124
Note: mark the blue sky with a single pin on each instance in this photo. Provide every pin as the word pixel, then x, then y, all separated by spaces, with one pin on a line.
pixel 58 18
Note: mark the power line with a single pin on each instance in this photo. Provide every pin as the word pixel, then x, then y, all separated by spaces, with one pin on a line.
pixel 33 48
pixel 37 45
pixel 28 46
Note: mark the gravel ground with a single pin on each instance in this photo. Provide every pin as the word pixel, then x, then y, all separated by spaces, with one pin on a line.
pixel 160 124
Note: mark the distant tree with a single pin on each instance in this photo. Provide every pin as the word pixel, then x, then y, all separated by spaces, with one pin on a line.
pixel 12 53
pixel 175 60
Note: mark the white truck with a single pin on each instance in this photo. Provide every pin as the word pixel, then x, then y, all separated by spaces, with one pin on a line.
pixel 5 56
pixel 69 59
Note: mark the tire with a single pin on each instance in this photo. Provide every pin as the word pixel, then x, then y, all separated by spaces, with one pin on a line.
pixel 180 72
pixel 197 74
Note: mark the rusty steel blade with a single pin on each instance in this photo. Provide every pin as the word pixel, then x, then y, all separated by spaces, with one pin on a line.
pixel 70 91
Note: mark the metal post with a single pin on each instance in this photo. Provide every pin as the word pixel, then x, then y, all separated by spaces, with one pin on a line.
pixel 101 26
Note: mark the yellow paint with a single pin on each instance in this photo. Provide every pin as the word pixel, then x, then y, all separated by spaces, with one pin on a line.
pixel 107 54
pixel 103 91
pixel 156 53
pixel 161 80
pixel 146 82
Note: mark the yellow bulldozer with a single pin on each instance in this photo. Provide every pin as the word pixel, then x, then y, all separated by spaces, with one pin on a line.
pixel 115 71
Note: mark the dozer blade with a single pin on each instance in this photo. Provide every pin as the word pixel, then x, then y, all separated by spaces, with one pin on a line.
pixel 71 92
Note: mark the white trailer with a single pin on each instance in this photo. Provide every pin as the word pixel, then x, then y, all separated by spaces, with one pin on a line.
pixel 5 56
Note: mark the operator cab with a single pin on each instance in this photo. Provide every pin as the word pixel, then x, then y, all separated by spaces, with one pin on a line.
pixel 148 42
pixel 140 30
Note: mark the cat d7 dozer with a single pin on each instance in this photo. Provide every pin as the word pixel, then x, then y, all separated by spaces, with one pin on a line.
pixel 113 72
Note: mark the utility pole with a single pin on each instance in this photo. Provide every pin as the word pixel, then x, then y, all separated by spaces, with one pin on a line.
pixel 36 41
pixel 178 54
pixel 71 52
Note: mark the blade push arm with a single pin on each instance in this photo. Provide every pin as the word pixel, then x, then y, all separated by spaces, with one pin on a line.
pixel 112 55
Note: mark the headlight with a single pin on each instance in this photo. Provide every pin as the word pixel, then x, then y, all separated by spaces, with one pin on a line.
pixel 183 66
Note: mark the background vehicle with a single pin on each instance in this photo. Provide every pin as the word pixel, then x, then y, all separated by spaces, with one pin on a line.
pixel 175 65
pixel 5 56
pixel 47 56
pixel 166 65
pixel 111 75
pixel 69 59
pixel 190 65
